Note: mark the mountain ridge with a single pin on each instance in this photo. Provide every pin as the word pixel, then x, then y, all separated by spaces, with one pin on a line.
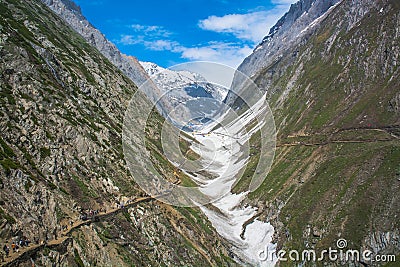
pixel 334 94
pixel 290 27
pixel 61 156
pixel 335 98
pixel 72 14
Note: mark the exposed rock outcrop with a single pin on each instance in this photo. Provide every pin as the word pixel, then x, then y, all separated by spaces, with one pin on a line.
pixel 330 71
pixel 71 13
pixel 62 106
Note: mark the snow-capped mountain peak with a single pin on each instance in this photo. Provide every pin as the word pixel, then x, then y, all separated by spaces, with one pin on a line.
pixel 187 91
pixel 168 80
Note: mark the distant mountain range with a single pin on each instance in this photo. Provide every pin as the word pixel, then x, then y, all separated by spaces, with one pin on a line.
pixel 171 79
pixel 330 73
pixel 139 73
pixel 193 99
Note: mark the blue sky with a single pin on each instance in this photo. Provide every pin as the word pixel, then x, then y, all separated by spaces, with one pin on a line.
pixel 178 31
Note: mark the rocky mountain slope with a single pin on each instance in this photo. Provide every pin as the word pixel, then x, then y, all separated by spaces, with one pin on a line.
pixel 71 13
pixel 138 72
pixel 62 106
pixel 287 32
pixel 330 70
pixel 129 65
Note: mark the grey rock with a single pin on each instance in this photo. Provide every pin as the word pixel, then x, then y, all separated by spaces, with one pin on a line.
pixel 287 32
pixel 71 13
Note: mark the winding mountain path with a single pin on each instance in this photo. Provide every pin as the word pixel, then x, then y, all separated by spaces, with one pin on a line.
pixel 391 137
pixel 26 252
pixel 299 143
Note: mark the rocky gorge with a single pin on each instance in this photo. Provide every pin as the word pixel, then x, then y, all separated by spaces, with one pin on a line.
pixel 329 72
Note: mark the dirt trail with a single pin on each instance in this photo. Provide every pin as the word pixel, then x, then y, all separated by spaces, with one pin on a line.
pixel 299 143
pixel 387 129
pixel 28 251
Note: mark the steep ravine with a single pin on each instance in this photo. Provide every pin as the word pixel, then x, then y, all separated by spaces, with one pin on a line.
pixel 62 105
pixel 235 221
pixel 334 92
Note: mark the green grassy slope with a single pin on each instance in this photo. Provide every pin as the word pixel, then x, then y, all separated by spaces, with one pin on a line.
pixel 62 106
pixel 335 99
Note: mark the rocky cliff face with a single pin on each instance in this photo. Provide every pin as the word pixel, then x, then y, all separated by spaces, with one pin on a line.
pixel 71 13
pixel 129 65
pixel 287 32
pixel 292 29
pixel 331 73
pixel 62 105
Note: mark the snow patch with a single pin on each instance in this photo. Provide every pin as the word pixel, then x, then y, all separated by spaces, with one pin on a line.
pixel 231 216
pixel 320 18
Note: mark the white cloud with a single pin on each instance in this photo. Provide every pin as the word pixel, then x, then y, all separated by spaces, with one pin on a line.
pixel 251 26
pixel 149 35
pixel 283 2
pixel 231 54
pixel 129 40
pixel 162 45
pixel 150 30
pixel 226 53
pixel 156 45
pixel 199 53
